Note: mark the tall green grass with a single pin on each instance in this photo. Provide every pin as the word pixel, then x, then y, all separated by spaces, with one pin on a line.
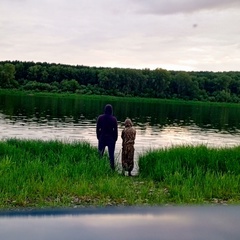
pixel 195 174
pixel 36 173
pixel 41 174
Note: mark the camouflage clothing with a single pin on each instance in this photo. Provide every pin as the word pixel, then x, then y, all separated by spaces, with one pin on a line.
pixel 128 140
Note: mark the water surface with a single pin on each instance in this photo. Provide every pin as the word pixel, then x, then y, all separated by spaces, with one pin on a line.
pixel 140 223
pixel 158 124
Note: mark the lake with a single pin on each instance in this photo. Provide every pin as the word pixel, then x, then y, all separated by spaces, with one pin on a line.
pixel 140 223
pixel 159 124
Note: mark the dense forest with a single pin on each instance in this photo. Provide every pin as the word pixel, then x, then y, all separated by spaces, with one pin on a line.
pixel 158 83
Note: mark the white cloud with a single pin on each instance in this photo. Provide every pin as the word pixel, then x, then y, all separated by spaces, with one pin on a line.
pixel 181 35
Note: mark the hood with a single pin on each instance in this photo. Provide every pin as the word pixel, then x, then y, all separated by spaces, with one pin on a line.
pixel 128 123
pixel 108 109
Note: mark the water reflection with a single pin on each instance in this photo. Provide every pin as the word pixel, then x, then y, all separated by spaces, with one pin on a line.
pixel 158 124
pixel 182 223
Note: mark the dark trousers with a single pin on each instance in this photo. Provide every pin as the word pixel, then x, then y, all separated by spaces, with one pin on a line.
pixel 110 143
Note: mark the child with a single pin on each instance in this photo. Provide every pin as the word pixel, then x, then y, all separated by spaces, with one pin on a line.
pixel 128 139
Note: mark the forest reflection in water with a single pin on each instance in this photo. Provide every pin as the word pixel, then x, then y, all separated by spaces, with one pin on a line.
pixel 158 123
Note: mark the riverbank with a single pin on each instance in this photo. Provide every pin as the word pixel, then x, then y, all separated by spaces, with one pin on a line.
pixel 37 174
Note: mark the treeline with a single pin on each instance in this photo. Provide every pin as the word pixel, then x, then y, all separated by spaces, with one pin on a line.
pixel 158 83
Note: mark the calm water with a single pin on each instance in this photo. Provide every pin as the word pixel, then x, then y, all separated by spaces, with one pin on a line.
pixel 158 125
pixel 165 223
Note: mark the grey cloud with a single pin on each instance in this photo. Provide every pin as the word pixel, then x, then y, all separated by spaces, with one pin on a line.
pixel 181 6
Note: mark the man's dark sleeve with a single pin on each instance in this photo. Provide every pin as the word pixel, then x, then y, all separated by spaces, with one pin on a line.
pixel 98 128
pixel 116 130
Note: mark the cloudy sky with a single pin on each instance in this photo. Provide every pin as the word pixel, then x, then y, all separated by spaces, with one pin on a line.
pixel 191 35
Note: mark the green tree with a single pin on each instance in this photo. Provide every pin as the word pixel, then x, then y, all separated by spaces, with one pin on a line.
pixel 182 86
pixel 7 75
pixel 159 81
pixel 222 82
pixel 109 79
pixel 234 86
pixel 69 85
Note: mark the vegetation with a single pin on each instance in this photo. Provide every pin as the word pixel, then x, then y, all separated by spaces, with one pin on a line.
pixel 195 174
pixel 40 174
pixel 158 83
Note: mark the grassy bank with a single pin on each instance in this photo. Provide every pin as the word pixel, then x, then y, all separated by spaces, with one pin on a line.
pixel 53 174
pixel 195 174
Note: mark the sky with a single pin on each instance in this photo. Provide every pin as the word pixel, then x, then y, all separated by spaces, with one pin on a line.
pixel 188 35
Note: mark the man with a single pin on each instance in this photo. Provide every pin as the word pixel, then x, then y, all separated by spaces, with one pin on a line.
pixel 107 133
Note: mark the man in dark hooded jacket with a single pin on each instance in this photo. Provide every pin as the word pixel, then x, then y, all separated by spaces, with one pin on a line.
pixel 107 133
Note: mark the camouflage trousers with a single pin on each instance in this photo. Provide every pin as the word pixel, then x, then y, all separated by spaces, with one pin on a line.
pixel 128 157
